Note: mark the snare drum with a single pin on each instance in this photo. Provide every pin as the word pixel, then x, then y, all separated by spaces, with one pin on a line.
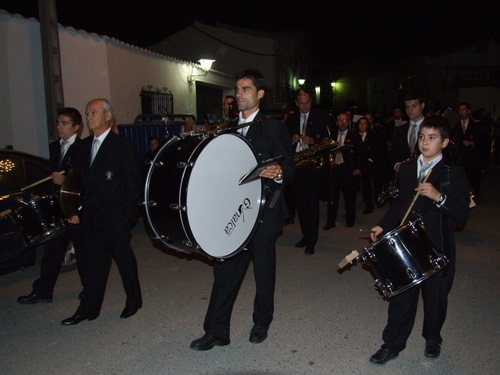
pixel 193 201
pixel 403 258
pixel 40 219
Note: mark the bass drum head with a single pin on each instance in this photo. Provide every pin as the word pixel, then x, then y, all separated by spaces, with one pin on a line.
pixel 221 216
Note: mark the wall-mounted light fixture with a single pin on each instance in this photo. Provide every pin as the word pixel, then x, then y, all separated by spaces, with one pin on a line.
pixel 205 66
pixel 301 81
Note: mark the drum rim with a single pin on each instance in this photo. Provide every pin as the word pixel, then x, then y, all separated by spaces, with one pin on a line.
pixel 147 183
pixel 183 198
pixel 398 229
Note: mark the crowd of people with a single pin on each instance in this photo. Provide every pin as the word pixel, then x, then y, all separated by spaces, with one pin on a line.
pixel 367 165
pixel 349 154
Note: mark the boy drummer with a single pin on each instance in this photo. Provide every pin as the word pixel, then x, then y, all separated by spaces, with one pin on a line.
pixel 443 200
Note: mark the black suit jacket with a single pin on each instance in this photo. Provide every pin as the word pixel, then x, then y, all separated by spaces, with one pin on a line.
pixel 112 184
pixel 317 123
pixel 270 139
pixel 66 164
pixel 473 134
pixel 367 150
pixel 400 147
pixel 439 222
pixel 350 156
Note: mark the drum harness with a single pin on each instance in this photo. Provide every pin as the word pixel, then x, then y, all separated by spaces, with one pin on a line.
pixel 444 188
pixel 276 191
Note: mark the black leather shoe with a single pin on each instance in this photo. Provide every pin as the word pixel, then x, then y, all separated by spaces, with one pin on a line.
pixel 349 225
pixel 328 226
pixel 382 356
pixel 129 311
pixel 301 243
pixel 366 212
pixel 309 250
pixel 258 334
pixel 33 298
pixel 432 349
pixel 75 319
pixel 207 342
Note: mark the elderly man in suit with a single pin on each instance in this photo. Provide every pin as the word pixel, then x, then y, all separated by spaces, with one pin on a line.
pixel 270 139
pixel 62 153
pixel 307 128
pixel 111 176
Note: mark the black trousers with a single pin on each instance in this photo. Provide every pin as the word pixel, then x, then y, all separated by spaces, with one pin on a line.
pixel 228 276
pixel 54 251
pixel 472 166
pixel 307 197
pixel 367 187
pixel 104 241
pixel 342 179
pixel 403 309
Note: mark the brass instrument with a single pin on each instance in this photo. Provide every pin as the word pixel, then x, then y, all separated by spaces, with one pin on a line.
pixel 313 156
pixel 392 191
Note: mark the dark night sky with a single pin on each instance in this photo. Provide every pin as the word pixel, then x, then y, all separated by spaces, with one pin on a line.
pixel 336 32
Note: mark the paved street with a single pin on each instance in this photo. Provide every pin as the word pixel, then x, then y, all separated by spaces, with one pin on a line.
pixel 326 321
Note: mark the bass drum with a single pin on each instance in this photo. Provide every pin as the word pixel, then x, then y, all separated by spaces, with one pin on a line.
pixel 193 200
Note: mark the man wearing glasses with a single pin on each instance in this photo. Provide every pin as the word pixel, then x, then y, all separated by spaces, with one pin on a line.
pixel 343 174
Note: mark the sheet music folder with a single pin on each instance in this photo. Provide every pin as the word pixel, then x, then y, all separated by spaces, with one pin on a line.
pixel 254 173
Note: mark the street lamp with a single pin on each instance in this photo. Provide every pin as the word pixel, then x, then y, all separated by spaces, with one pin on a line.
pixel 205 66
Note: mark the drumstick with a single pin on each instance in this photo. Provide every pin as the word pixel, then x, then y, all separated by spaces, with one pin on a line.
pixel 415 199
pixel 41 181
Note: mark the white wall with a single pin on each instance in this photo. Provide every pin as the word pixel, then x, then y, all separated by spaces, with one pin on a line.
pixel 23 116
pixel 84 69
pixel 92 66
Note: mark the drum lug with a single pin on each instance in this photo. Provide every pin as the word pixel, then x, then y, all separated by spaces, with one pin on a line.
pixel 183 164
pixel 175 206
pixel 439 262
pixel 372 256
pixel 156 163
pixel 411 274
pixel 148 203
pixel 384 286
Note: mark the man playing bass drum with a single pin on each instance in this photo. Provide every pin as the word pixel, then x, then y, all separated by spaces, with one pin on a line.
pixel 270 139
